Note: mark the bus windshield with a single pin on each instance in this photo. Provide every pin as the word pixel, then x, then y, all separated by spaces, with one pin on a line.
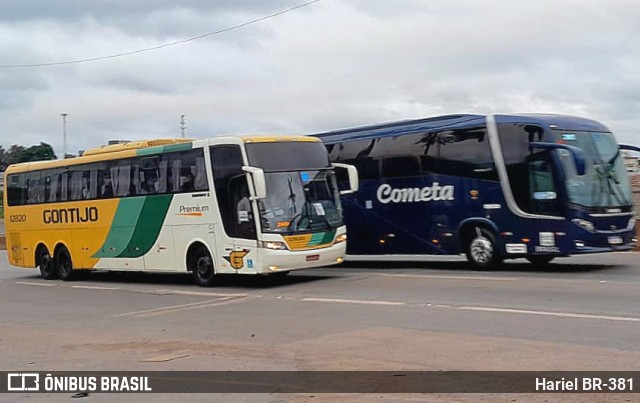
pixel 302 191
pixel 605 183
pixel 300 201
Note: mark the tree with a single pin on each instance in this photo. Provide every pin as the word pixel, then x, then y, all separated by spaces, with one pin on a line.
pixel 40 152
pixel 14 154
pixel 3 164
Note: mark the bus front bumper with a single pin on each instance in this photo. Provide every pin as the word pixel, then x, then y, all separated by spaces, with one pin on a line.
pixel 274 261
pixel 600 243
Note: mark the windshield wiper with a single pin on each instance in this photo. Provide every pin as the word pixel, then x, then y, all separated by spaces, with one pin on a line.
pixel 608 173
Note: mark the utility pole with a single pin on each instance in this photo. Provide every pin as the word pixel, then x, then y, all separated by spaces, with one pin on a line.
pixel 183 125
pixel 64 135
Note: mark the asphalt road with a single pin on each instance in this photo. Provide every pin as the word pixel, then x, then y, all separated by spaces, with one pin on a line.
pixel 581 313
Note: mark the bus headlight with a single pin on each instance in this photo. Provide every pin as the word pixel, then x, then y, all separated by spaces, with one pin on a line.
pixel 632 223
pixel 275 245
pixel 341 238
pixel 584 224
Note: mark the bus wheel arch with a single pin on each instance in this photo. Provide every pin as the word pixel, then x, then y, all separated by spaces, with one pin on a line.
pixel 63 262
pixel 200 264
pixel 45 262
pixel 480 243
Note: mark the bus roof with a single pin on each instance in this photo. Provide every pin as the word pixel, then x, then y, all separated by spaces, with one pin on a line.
pixel 132 145
pixel 561 122
pixel 259 138
pixel 130 149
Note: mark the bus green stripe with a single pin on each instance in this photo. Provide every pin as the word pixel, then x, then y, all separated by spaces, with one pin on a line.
pixel 320 238
pixel 164 149
pixel 148 226
pixel 122 227
pixel 177 147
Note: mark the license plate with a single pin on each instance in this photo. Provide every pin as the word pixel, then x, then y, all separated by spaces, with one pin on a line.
pixel 313 258
pixel 615 240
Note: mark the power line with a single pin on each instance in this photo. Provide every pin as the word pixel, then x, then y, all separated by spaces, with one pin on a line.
pixel 166 45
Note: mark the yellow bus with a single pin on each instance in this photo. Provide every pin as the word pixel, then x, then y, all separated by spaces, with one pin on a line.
pixel 229 204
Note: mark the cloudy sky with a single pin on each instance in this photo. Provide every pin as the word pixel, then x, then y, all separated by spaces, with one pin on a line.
pixel 333 64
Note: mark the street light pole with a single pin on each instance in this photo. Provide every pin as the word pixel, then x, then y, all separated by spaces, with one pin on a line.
pixel 64 135
pixel 183 125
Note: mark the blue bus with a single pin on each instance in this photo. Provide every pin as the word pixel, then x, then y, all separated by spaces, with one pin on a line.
pixel 495 187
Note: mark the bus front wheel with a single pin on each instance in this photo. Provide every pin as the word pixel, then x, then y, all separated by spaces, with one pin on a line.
pixel 45 264
pixel 64 265
pixel 482 249
pixel 201 265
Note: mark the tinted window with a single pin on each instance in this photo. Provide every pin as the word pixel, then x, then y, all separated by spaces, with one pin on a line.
pixel 367 169
pixel 232 191
pixel 288 156
pixel 16 189
pixel 529 171
pixel 400 167
pixel 177 172
pixel 515 139
pixel 462 152
pixel 466 153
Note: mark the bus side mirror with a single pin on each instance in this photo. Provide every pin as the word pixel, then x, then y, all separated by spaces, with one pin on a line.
pixel 628 147
pixel 353 177
pixel 259 182
pixel 578 155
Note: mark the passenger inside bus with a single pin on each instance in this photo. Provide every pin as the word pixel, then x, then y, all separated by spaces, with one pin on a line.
pixel 107 188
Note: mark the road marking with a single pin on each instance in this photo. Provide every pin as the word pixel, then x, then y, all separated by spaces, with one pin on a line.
pixel 164 308
pixel 447 277
pixel 178 308
pixel 353 301
pixel 201 293
pixel 222 301
pixel 548 313
pixel 93 287
pixel 34 283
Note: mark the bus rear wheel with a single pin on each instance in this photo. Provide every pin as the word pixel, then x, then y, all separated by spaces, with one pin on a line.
pixel 539 260
pixel 201 265
pixel 45 264
pixel 64 265
pixel 482 249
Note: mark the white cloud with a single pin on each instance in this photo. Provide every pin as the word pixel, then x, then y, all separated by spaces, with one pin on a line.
pixel 330 65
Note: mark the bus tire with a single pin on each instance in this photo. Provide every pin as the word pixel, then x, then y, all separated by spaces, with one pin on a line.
pixel 482 249
pixel 539 260
pixel 45 264
pixel 64 264
pixel 201 265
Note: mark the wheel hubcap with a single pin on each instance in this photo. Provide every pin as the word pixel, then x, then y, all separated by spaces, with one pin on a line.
pixel 45 263
pixel 481 250
pixel 203 267
pixel 65 264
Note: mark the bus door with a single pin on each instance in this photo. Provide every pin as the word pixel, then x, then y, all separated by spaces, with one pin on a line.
pixel 237 239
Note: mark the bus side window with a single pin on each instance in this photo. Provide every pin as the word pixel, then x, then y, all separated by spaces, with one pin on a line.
pixel 367 169
pixel 187 171
pixel 16 189
pixel 466 153
pixel 35 188
pixel 397 167
pixel 106 190
pixel 542 188
pixel 121 178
